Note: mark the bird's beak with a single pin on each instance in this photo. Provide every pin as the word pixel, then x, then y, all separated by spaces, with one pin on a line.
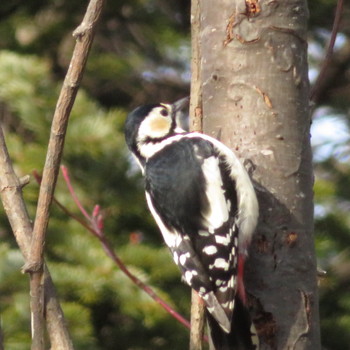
pixel 180 104
pixel 180 113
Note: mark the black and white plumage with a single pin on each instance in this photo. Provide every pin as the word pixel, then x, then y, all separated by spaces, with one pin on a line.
pixel 203 201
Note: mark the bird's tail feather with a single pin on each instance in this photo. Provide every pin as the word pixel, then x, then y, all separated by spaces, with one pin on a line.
pixel 242 335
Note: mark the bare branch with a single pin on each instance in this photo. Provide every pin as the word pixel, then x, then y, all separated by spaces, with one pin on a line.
pixel 197 307
pixel 11 197
pixel 315 90
pixel 37 310
pixel 197 321
pixel 84 35
pixel 196 93
pixel 34 265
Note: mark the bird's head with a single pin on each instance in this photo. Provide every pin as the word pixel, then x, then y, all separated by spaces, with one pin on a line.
pixel 152 124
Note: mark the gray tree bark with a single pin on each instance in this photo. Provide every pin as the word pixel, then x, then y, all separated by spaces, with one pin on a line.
pixel 254 90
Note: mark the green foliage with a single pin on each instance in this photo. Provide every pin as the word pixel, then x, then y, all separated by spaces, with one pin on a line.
pixel 141 53
pixel 332 241
pixel 133 37
pixel 86 279
pixel 14 299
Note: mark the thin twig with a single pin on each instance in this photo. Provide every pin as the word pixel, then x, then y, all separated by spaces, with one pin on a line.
pixel 34 265
pixel 96 228
pixel 64 171
pixel 12 199
pixel 314 93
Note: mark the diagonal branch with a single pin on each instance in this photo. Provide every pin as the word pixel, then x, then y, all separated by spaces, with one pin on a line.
pixel 34 265
pixel 84 36
pixel 16 211
pixel 316 89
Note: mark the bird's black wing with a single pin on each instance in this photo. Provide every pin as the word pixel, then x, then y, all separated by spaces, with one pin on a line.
pixel 193 200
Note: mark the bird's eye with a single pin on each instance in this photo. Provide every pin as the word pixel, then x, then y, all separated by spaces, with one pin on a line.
pixel 164 112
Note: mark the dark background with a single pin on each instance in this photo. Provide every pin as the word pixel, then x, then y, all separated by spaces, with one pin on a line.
pixel 141 54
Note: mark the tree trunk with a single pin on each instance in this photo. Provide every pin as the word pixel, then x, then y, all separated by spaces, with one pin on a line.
pixel 254 88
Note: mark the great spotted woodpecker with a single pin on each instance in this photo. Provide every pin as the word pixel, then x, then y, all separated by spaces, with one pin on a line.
pixel 203 201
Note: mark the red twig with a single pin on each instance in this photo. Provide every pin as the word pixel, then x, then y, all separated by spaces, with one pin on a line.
pixel 95 226
pixel 315 89
pixel 74 196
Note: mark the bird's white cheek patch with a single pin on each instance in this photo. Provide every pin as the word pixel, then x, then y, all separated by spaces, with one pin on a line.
pixel 154 125
pixel 160 126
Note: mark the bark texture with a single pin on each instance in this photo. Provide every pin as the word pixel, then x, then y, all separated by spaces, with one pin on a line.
pixel 255 99
pixel 197 306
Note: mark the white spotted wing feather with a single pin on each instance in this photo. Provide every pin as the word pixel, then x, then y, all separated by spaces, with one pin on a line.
pixel 207 218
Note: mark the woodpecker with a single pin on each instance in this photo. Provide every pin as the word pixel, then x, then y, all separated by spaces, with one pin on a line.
pixel 202 200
